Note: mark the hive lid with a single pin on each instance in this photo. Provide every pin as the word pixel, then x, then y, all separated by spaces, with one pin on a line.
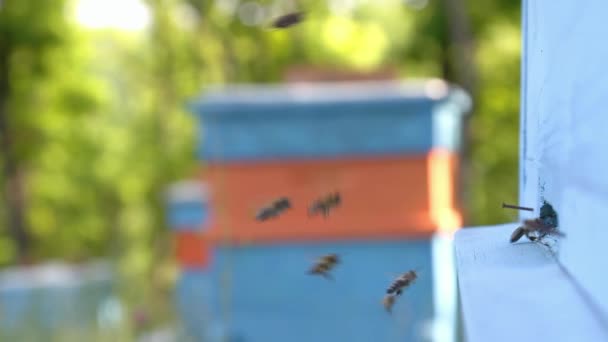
pixel 231 98
pixel 187 190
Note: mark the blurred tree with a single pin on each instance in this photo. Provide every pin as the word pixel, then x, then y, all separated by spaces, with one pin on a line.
pixel 93 125
pixel 148 142
pixel 493 132
pixel 49 145
pixel 29 32
pixel 445 39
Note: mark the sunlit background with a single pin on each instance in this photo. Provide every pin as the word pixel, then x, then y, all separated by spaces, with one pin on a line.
pixel 128 15
pixel 97 122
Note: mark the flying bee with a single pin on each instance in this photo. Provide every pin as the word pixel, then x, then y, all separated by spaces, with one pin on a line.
pixel 288 20
pixel 274 209
pixel 402 282
pixel 534 230
pixel 388 301
pixel 325 204
pixel 396 289
pixel 325 264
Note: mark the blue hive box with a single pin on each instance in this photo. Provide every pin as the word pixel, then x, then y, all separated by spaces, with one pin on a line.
pixel 187 215
pixel 264 294
pixel 187 205
pixel 48 298
pixel 329 120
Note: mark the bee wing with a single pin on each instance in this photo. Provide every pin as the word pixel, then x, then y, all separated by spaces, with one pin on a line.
pixel 312 269
pixel 392 276
pixel 534 224
pixel 314 205
pixel 324 258
pixel 395 276
pixel 387 302
pixel 282 203
pixel 558 233
pixel 317 259
pixel 258 204
pixel 338 258
pixel 337 198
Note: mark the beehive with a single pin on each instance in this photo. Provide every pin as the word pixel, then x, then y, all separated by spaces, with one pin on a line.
pixel 390 148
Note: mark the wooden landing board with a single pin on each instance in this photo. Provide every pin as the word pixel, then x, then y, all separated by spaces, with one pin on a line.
pixel 518 292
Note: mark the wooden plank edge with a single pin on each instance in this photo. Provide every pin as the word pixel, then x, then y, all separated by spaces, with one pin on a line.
pixel 518 292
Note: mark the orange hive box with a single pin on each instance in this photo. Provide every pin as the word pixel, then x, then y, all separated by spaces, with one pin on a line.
pixel 409 196
pixel 191 249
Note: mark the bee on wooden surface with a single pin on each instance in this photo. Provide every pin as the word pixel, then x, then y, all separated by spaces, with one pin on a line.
pixel 536 229
pixel 325 204
pixel 325 264
pixel 388 301
pixel 402 282
pixel 288 20
pixel 274 209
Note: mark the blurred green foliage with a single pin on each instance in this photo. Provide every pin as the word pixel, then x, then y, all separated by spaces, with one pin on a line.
pixel 99 127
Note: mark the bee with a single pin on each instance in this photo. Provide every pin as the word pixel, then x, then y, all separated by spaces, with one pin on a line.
pixel 396 289
pixel 288 20
pixel 324 205
pixel 534 230
pixel 388 301
pixel 274 209
pixel 324 264
pixel 403 281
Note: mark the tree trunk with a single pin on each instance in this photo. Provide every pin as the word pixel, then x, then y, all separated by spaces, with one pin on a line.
pixel 460 54
pixel 461 47
pixel 13 191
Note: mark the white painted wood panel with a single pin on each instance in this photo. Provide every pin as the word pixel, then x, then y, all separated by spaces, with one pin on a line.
pixel 517 292
pixel 564 142
pixel 522 292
